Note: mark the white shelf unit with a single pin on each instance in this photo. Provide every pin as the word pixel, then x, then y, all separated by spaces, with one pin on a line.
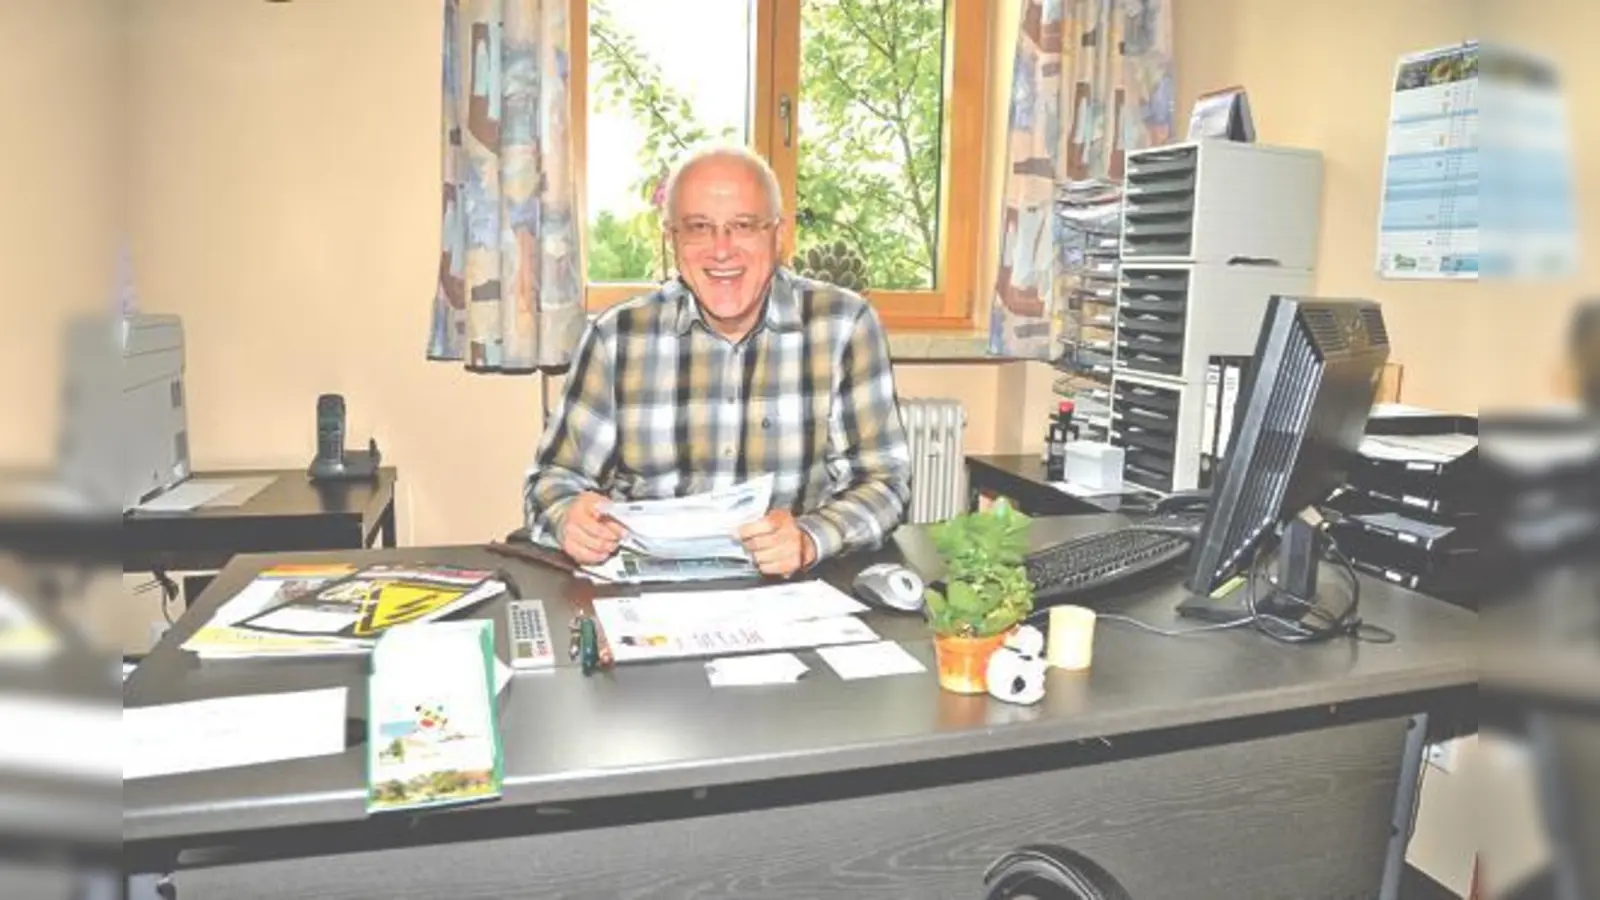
pixel 1211 231
pixel 1220 201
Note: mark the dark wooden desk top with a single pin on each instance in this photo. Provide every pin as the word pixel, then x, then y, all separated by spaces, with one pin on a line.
pixel 1021 476
pixel 660 726
pixel 292 494
pixel 292 513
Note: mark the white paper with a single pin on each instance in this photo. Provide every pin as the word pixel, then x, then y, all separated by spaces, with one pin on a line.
pixel 763 668
pixel 307 621
pixel 870 660
pixel 227 732
pixel 1082 490
pixel 187 496
pixel 696 527
pixel 242 490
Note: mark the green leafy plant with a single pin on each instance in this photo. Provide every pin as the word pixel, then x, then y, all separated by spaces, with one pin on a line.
pixel 986 588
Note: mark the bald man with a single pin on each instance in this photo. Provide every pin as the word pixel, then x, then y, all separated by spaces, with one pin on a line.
pixel 734 369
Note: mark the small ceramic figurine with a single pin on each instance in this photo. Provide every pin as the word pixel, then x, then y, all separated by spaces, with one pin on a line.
pixel 1016 670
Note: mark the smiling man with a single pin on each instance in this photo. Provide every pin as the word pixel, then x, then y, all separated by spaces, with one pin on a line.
pixel 734 369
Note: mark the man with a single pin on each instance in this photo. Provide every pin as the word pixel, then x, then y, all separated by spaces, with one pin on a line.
pixel 734 369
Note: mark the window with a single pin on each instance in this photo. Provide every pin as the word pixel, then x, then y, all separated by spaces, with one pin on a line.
pixel 870 111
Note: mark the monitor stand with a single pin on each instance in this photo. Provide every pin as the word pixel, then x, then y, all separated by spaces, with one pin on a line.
pixel 1299 550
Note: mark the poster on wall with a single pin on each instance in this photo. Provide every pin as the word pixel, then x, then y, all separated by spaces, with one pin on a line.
pixel 1428 216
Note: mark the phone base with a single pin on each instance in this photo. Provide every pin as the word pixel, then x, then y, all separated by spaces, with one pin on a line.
pixel 354 465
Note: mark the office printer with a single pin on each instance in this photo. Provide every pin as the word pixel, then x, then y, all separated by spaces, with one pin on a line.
pixel 124 415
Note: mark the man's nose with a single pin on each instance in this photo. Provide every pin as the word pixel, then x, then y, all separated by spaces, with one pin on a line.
pixel 722 243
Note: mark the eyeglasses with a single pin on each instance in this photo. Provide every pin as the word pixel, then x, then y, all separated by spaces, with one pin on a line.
pixel 704 231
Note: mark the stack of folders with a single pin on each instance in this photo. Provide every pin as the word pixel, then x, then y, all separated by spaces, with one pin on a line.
pixel 1411 511
pixel 1225 379
pixel 1089 242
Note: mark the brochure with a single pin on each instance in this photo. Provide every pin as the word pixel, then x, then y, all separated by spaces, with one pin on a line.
pixel 433 734
pixel 365 604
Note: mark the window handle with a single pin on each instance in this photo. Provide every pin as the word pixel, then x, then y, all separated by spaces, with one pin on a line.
pixel 786 116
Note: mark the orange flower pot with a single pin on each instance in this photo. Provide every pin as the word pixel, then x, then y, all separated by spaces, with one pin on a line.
pixel 964 661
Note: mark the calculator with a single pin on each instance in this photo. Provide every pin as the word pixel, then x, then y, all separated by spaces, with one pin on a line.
pixel 531 647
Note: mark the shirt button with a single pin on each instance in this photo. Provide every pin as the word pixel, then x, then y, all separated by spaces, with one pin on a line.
pixel 727 452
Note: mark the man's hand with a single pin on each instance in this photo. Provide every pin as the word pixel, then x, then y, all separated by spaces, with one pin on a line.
pixel 588 535
pixel 777 544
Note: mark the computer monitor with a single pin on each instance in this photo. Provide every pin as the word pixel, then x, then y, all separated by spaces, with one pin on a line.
pixel 1303 412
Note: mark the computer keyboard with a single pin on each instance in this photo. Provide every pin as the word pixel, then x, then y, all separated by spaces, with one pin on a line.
pixel 1100 559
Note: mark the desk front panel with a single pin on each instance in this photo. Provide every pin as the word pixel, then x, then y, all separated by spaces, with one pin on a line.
pixel 1298 815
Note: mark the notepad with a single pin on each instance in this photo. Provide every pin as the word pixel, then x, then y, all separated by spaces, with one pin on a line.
pixel 874 660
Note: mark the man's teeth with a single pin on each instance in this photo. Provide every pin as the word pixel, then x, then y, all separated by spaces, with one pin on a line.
pixel 724 273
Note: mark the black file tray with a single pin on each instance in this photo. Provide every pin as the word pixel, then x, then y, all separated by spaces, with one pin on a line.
pixel 1440 488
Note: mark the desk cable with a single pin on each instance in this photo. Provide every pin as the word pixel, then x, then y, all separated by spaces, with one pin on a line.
pixel 1348 624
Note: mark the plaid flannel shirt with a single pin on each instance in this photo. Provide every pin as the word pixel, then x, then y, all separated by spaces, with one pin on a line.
pixel 656 404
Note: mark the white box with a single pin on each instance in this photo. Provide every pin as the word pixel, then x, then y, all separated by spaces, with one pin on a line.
pixel 1094 465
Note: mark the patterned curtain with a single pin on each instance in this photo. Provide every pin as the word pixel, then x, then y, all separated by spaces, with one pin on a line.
pixel 509 296
pixel 1093 79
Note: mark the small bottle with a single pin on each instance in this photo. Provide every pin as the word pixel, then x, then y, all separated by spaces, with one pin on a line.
pixel 1056 447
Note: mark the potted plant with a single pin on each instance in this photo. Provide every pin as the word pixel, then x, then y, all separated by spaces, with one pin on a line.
pixel 984 595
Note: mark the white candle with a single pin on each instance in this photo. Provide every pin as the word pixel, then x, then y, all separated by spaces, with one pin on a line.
pixel 1071 642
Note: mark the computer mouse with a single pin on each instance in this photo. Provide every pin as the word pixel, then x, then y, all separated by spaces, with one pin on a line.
pixel 890 586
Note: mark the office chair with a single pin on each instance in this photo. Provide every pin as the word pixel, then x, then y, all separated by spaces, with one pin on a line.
pixel 1046 872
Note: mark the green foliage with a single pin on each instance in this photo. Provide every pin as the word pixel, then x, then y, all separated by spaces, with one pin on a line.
pixel 872 76
pixel 869 150
pixel 624 249
pixel 986 587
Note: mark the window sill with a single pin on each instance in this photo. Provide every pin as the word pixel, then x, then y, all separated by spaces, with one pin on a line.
pixel 940 346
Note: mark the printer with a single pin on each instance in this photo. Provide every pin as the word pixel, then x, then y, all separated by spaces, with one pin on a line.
pixel 124 435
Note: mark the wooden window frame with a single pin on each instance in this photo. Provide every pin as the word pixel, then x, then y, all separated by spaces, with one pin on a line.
pixel 776 53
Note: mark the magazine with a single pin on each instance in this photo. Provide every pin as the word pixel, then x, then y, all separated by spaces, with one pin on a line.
pixel 363 605
pixel 222 638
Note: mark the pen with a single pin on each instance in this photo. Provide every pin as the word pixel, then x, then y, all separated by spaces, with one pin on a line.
pixel 585 646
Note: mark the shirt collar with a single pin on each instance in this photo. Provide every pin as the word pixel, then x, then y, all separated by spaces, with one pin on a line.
pixel 782 303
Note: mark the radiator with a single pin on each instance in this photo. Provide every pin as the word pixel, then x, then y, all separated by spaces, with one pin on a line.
pixel 934 428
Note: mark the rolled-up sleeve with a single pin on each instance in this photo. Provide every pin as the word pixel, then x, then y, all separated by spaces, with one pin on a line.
pixel 867 439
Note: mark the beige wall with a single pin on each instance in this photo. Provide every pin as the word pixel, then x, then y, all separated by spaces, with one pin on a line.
pixel 283 174
pixel 1318 76
pixel 60 197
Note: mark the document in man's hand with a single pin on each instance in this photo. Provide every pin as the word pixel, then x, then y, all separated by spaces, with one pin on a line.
pixel 700 526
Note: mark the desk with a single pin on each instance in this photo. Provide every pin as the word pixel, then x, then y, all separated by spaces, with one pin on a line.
pixel 1020 477
pixel 293 513
pixel 1222 765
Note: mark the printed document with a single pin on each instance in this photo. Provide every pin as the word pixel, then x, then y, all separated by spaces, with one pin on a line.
pixel 705 623
pixel 232 731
